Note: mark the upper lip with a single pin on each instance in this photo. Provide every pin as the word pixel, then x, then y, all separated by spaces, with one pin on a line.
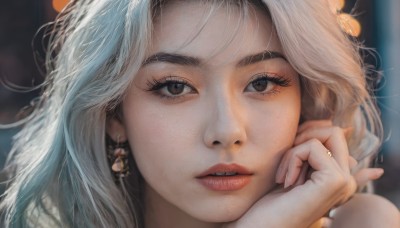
pixel 218 168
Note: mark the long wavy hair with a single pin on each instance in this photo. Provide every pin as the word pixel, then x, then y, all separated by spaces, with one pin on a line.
pixel 60 175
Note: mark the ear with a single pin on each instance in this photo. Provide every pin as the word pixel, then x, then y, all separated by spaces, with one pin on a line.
pixel 116 130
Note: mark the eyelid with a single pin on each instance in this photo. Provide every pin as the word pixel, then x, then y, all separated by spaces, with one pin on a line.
pixel 274 80
pixel 272 77
pixel 156 86
pixel 265 74
pixel 169 79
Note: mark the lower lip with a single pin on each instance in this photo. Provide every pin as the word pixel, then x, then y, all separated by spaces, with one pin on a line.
pixel 225 183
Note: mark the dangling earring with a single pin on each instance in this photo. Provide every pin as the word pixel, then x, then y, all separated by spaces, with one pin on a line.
pixel 118 154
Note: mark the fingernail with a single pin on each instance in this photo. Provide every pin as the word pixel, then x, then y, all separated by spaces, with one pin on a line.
pixel 286 185
pixel 379 173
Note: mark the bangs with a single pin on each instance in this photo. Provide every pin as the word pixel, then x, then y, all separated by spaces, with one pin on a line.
pixel 237 12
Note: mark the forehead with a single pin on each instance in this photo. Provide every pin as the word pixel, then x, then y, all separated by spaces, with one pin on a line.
pixel 219 33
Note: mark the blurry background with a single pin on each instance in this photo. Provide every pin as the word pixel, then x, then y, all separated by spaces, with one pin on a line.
pixel 380 29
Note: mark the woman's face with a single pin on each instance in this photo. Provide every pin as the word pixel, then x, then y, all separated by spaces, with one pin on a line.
pixel 211 96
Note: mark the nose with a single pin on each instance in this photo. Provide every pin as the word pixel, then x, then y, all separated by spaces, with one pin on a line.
pixel 225 124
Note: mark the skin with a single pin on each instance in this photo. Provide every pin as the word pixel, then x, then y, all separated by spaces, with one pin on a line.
pixel 179 130
pixel 219 117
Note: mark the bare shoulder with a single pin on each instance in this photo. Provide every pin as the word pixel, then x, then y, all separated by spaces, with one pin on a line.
pixel 366 210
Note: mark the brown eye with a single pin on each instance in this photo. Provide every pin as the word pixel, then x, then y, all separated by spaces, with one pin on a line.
pixel 171 88
pixel 265 83
pixel 175 88
pixel 260 84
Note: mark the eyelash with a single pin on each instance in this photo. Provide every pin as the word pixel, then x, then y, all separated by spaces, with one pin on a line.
pixel 155 85
pixel 271 78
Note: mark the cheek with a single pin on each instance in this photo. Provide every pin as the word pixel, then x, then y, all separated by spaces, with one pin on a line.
pixel 158 134
pixel 280 125
pixel 273 130
pixel 276 122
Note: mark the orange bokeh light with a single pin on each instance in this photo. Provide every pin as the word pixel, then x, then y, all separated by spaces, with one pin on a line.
pixel 349 24
pixel 58 5
pixel 336 5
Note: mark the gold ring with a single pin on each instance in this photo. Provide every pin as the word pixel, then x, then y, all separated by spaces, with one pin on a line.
pixel 329 153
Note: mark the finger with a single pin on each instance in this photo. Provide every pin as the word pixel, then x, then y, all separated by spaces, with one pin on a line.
pixel 352 162
pixel 294 169
pixel 333 138
pixel 311 151
pixel 282 168
pixel 348 132
pixel 363 176
pixel 304 173
pixel 322 133
pixel 326 222
pixel 313 124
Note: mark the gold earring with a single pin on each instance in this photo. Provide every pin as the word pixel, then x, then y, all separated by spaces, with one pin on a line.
pixel 118 157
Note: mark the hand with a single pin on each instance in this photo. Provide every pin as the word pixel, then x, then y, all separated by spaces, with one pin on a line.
pixel 314 182
pixel 323 147
pixel 321 130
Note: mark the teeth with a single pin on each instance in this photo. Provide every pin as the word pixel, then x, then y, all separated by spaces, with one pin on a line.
pixel 225 174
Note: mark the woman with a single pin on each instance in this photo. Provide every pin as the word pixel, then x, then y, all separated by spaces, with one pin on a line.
pixel 198 114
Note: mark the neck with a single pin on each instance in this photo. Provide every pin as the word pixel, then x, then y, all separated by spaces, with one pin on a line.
pixel 160 213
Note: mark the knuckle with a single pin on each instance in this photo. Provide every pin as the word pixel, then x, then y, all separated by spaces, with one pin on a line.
pixel 294 153
pixel 314 143
pixel 297 163
pixel 337 130
pixel 340 181
pixel 346 185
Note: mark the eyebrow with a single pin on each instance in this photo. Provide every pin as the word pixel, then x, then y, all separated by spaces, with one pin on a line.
pixel 172 58
pixel 251 59
pixel 193 61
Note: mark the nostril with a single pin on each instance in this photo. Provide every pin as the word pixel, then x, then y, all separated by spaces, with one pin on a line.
pixel 216 143
pixel 238 142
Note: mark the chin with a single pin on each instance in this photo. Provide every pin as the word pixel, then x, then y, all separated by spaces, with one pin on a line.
pixel 222 218
pixel 226 212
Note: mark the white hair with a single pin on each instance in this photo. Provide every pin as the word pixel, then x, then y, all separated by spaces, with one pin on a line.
pixel 332 70
pixel 61 176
